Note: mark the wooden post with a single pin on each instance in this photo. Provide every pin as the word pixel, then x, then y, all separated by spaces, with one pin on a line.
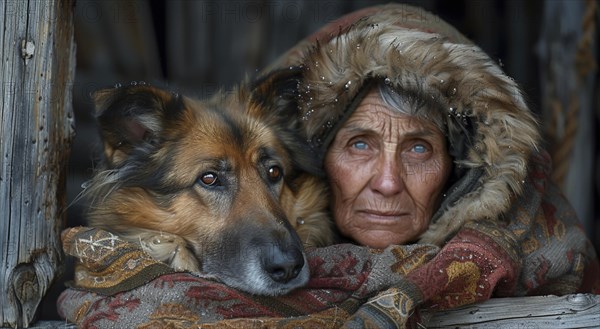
pixel 37 54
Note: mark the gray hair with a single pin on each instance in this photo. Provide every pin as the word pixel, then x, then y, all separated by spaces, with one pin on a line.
pixel 411 104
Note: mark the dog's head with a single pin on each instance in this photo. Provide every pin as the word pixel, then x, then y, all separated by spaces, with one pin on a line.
pixel 211 172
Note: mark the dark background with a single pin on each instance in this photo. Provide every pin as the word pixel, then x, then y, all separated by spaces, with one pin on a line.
pixel 198 47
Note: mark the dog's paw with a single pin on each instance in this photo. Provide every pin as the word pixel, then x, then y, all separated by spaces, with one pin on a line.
pixel 184 260
pixel 170 249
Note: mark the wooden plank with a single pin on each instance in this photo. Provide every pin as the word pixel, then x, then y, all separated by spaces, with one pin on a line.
pixel 570 311
pixel 36 129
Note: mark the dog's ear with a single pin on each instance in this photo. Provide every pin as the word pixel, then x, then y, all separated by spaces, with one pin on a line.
pixel 276 93
pixel 277 96
pixel 132 117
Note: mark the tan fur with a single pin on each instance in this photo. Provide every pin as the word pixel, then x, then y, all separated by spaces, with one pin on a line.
pixel 313 227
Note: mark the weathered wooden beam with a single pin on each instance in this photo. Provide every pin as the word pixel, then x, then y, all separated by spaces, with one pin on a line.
pixel 36 128
pixel 570 311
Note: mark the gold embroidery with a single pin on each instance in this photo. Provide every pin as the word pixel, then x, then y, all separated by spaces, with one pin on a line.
pixel 469 273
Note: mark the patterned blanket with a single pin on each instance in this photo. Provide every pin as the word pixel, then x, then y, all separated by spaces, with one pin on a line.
pixel 537 248
pixel 118 286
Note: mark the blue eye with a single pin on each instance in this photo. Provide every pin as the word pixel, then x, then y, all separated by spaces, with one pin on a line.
pixel 419 148
pixel 360 145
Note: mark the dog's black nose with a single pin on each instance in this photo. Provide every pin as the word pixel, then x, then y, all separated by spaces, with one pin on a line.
pixel 284 265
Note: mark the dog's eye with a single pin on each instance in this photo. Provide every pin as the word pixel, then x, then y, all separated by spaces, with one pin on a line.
pixel 275 173
pixel 209 179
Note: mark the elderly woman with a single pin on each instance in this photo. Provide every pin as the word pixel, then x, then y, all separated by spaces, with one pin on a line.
pixel 434 164
pixel 424 139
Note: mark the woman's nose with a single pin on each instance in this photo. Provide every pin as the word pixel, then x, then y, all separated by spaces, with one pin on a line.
pixel 387 179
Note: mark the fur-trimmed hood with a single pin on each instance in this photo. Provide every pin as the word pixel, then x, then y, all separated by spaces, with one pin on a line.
pixel 491 132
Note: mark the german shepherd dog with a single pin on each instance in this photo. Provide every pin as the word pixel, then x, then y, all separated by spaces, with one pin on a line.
pixel 222 187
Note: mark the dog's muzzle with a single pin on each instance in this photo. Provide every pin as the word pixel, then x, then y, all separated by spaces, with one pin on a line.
pixel 258 261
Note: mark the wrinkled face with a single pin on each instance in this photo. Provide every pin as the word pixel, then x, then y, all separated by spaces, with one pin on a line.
pixel 387 171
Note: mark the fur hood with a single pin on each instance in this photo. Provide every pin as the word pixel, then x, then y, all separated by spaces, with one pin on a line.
pixel 491 132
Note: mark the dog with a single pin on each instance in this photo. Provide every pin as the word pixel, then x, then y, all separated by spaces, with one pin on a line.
pixel 226 187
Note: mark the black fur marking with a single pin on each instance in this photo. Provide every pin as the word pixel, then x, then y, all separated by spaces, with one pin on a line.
pixel 233 130
pixel 124 118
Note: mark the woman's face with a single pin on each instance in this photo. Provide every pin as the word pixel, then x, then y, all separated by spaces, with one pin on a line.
pixel 387 171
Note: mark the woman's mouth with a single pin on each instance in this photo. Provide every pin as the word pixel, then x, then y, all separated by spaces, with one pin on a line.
pixel 382 215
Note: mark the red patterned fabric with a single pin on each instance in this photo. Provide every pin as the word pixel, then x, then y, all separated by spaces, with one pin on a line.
pixel 118 286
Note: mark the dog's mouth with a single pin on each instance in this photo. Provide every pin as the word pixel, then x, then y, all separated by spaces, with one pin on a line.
pixel 263 265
